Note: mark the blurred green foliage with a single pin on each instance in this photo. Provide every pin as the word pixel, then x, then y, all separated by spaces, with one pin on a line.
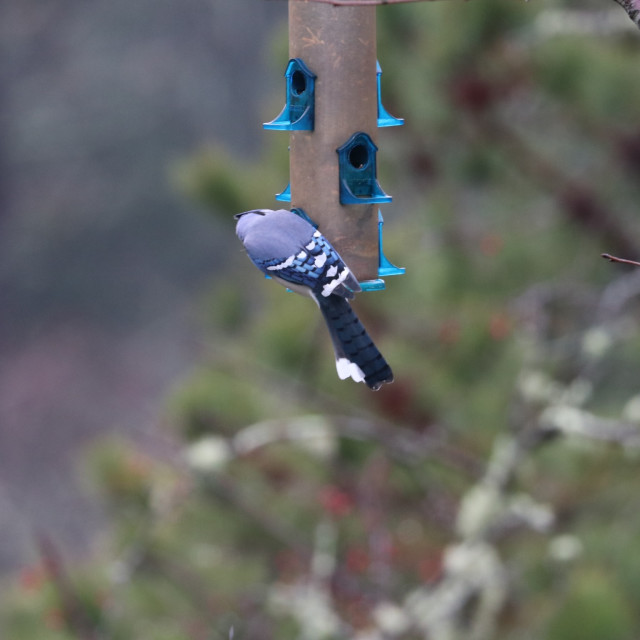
pixel 598 604
pixel 517 166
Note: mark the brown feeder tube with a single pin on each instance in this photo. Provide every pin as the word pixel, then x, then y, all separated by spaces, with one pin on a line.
pixel 338 43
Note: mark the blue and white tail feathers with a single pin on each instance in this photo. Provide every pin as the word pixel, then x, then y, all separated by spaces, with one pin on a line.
pixel 357 356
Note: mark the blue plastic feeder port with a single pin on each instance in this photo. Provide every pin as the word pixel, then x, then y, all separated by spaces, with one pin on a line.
pixel 385 268
pixel 285 196
pixel 385 119
pixel 357 165
pixel 298 112
pixel 372 285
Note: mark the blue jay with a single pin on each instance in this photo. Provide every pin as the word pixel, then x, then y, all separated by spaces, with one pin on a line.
pixel 290 250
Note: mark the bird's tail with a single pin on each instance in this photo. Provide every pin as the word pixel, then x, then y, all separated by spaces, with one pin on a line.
pixel 356 355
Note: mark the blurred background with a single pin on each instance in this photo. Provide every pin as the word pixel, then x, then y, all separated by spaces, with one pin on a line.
pixel 102 259
pixel 177 456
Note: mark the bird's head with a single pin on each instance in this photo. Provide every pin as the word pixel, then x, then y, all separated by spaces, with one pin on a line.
pixel 247 219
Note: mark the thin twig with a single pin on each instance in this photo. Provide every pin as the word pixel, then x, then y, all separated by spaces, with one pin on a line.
pixel 400 443
pixel 361 3
pixel 611 258
pixel 630 6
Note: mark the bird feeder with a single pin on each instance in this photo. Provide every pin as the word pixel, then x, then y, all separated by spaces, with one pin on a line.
pixel 333 111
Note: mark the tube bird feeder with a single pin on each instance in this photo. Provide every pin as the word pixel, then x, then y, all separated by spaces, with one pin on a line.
pixel 333 79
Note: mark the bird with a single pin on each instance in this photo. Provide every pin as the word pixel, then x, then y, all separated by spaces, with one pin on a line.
pixel 289 249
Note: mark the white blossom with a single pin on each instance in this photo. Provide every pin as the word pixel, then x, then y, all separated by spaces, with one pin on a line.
pixel 564 548
pixel 208 454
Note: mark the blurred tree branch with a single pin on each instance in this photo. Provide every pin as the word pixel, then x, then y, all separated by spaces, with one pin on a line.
pixel 632 7
pixel 577 198
pixel 611 258
pixel 363 3
pixel 80 617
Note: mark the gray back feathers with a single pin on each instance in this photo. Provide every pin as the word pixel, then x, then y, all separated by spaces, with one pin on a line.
pixel 268 234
